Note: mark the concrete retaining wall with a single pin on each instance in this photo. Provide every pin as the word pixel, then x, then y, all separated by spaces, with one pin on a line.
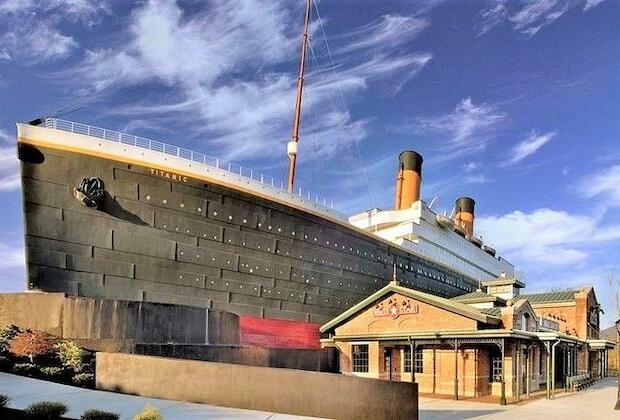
pixel 102 319
pixel 290 391
pixel 319 360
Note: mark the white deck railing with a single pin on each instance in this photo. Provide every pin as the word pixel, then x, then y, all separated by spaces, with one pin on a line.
pixel 115 136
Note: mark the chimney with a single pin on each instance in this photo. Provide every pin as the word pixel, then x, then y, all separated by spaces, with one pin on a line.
pixel 464 214
pixel 408 179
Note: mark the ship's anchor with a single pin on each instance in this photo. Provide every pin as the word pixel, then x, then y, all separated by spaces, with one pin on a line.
pixel 90 192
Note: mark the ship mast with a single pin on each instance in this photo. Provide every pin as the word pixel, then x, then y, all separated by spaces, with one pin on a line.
pixel 291 148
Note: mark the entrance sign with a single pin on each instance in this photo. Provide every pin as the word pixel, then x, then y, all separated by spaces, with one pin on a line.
pixel 395 307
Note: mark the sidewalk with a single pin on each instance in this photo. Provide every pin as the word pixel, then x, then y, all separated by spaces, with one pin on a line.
pixel 25 391
pixel 596 402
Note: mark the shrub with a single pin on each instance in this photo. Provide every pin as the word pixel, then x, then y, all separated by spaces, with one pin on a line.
pixel 71 355
pixel 6 335
pixel 25 368
pixel 30 344
pixel 99 415
pixel 4 400
pixel 47 410
pixel 51 371
pixel 84 379
pixel 148 413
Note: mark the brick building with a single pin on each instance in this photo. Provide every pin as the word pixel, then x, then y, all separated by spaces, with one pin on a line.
pixel 493 342
pixel 613 334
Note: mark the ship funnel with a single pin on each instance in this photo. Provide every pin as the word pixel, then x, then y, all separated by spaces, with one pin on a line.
pixel 408 179
pixel 464 214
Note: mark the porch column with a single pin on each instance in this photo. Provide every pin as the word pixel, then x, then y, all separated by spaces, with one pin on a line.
pixel 412 360
pixel 502 400
pixel 548 368
pixel 456 371
pixel 528 366
pixel 569 358
pixel 553 368
pixel 564 367
pixel 518 369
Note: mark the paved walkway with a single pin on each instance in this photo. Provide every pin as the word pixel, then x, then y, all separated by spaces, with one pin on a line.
pixel 596 402
pixel 25 391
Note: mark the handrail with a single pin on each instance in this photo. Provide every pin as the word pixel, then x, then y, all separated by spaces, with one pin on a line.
pixel 169 149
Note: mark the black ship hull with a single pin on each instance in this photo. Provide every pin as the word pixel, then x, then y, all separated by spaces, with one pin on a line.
pixel 164 237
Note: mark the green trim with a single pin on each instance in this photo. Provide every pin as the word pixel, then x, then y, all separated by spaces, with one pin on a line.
pixel 393 287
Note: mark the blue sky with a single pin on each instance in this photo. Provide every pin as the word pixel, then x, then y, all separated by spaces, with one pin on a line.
pixel 515 103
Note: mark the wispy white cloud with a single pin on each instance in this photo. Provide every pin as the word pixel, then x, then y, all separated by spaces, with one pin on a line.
pixel 604 184
pixel 591 3
pixel 40 43
pixel 11 256
pixel 491 16
pixel 527 16
pixel 546 236
pixel 32 30
pixel 529 146
pixel 76 8
pixel 389 30
pixel 476 179
pixel 469 128
pixel 471 166
pixel 6 137
pixel 9 169
pixel 9 164
pixel 210 95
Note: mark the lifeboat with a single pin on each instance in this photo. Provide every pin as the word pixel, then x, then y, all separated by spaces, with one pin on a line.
pixel 445 222
pixel 475 241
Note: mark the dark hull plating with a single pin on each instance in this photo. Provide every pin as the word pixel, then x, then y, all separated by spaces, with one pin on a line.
pixel 187 242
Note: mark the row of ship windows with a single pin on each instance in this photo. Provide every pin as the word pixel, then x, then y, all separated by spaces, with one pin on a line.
pixel 327 242
pixel 443 279
pixel 277 293
pixel 419 271
pixel 293 233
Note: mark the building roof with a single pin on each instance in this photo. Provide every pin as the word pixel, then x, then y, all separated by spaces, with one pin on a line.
pixel 475 297
pixel 611 333
pixel 494 311
pixel 503 280
pixel 550 297
pixel 394 287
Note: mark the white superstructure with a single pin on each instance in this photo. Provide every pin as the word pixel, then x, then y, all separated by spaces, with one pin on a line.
pixel 417 228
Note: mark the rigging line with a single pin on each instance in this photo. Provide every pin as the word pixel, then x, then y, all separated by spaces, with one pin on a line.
pixel 320 167
pixel 344 103
pixel 346 122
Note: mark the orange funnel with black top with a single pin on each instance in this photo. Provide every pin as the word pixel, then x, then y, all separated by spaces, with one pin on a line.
pixel 464 214
pixel 408 179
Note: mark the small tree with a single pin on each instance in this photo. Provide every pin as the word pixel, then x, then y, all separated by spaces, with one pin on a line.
pixel 148 413
pixel 7 334
pixel 71 355
pixel 30 344
pixel 49 410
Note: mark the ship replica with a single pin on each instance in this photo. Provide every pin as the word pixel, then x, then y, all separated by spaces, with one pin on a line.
pixel 116 216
